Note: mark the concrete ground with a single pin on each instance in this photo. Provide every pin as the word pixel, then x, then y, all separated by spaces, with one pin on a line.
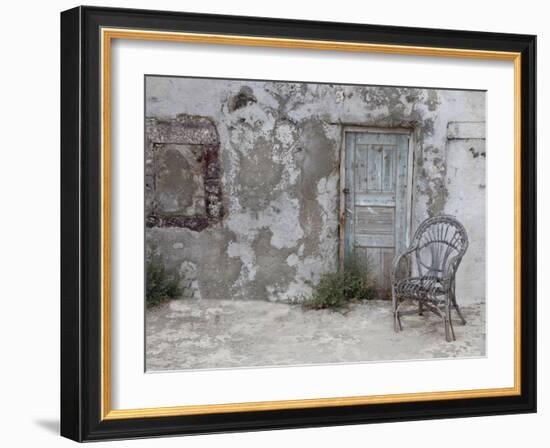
pixel 208 334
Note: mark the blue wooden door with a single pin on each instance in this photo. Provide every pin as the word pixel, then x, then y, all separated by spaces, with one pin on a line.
pixel 377 202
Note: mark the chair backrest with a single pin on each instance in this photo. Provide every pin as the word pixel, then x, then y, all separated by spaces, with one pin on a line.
pixel 439 241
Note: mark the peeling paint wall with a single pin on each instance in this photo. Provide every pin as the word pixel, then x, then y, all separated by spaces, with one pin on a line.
pixel 277 164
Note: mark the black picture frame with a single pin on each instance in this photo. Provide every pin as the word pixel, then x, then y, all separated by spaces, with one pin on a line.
pixel 81 224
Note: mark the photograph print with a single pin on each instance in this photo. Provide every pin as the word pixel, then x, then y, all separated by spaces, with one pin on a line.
pixel 300 223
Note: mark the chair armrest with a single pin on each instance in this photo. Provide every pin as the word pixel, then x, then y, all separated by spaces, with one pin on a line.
pixel 397 262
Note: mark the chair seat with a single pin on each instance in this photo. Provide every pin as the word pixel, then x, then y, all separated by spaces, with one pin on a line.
pixel 421 288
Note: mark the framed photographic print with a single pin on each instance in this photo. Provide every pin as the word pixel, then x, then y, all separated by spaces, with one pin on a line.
pixel 272 223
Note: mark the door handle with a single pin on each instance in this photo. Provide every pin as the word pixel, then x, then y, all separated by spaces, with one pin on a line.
pixel 349 211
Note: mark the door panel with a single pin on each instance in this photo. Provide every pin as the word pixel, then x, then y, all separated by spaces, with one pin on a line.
pixel 374 166
pixel 374 220
pixel 370 241
pixel 383 258
pixel 376 195
pixel 387 169
pixel 383 200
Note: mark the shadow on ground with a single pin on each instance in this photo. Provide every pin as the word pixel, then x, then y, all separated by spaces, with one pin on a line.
pixel 51 426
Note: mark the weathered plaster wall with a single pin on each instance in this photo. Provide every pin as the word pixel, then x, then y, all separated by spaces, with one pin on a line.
pixel 278 166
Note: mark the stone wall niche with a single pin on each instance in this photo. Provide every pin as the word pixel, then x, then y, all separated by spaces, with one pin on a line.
pixel 182 173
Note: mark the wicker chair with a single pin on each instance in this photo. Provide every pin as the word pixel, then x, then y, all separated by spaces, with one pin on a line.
pixel 438 247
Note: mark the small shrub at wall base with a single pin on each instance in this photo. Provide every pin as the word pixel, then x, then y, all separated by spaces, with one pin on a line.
pixel 160 285
pixel 336 290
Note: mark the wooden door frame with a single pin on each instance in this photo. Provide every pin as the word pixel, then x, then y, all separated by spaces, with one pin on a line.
pixel 342 183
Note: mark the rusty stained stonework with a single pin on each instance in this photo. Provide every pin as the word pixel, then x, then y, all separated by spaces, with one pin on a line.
pixel 189 131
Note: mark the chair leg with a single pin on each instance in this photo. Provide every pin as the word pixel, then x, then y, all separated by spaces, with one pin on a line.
pixel 459 313
pixel 395 305
pixel 455 305
pixel 397 322
pixel 452 329
pixel 449 330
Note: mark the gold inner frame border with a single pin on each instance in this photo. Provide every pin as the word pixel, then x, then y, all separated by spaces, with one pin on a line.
pixel 107 36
